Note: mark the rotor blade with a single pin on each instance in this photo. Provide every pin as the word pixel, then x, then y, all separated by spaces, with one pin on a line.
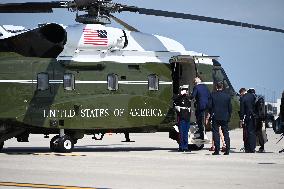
pixel 31 7
pixel 124 24
pixel 197 17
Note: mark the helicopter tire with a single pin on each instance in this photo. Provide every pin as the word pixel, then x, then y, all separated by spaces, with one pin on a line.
pixel 195 147
pixel 65 144
pixel 1 145
pixel 54 143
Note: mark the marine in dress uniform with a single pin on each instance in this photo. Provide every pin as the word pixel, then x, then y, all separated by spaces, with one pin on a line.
pixel 182 105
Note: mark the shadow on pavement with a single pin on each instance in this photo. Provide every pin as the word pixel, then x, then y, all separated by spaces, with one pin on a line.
pixel 32 150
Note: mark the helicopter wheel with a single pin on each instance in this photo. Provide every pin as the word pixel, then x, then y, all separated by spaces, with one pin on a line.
pixel 54 143
pixel 65 144
pixel 1 145
pixel 195 147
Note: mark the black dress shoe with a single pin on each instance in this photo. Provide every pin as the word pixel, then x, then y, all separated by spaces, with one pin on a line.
pixel 186 150
pixel 261 150
pixel 250 152
pixel 226 153
pixel 215 153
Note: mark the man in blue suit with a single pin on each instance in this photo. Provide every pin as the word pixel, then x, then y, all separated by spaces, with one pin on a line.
pixel 202 95
pixel 220 111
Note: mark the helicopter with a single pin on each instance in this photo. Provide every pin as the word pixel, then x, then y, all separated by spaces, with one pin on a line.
pixel 90 79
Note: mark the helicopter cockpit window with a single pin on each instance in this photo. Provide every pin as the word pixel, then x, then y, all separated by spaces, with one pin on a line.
pixel 1 34
pixel 153 82
pixel 112 82
pixel 69 82
pixel 42 81
pixel 220 75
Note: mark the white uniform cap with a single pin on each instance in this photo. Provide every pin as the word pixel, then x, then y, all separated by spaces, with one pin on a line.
pixel 184 87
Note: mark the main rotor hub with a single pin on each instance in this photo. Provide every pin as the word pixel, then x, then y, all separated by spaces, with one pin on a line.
pixel 89 19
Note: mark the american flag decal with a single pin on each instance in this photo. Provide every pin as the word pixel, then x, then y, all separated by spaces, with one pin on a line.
pixel 95 37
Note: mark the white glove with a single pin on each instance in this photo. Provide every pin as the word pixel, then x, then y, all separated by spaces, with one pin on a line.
pixel 177 108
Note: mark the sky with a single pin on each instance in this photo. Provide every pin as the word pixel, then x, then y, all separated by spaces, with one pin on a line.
pixel 251 58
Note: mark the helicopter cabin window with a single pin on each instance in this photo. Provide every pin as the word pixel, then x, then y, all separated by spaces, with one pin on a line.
pixel 1 34
pixel 153 82
pixel 112 82
pixel 42 81
pixel 69 82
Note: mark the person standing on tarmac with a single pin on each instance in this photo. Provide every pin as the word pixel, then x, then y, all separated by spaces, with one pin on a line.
pixel 201 95
pixel 247 120
pixel 259 119
pixel 182 105
pixel 220 111
pixel 242 92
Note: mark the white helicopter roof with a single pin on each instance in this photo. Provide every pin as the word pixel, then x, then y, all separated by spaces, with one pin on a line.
pixel 14 29
pixel 84 45
pixel 141 47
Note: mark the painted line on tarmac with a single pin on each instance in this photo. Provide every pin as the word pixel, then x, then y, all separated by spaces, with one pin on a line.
pixel 44 154
pixel 31 185
pixel 57 154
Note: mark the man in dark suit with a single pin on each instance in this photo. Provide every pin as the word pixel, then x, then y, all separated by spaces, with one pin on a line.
pixel 201 94
pixel 259 120
pixel 220 111
pixel 247 119
pixel 242 92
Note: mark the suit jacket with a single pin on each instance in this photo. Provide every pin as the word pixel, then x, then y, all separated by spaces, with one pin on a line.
pixel 202 95
pixel 247 103
pixel 220 106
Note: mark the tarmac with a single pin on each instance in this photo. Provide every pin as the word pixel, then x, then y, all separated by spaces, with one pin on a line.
pixel 152 161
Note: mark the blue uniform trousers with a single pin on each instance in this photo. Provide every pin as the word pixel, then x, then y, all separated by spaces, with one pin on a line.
pixel 216 135
pixel 183 131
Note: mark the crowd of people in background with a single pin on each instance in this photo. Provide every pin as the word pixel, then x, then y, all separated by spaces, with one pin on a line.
pixel 216 108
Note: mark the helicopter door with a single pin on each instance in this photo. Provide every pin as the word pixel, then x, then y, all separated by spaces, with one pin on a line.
pixel 183 73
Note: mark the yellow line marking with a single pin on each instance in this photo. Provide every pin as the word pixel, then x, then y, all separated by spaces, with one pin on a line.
pixel 47 154
pixel 58 154
pixel 31 185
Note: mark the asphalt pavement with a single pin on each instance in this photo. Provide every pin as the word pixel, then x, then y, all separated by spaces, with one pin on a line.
pixel 152 161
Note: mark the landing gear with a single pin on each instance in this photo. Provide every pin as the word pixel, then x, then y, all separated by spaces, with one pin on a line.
pixel 54 143
pixel 195 147
pixel 65 144
pixel 1 145
pixel 62 143
pixel 127 138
